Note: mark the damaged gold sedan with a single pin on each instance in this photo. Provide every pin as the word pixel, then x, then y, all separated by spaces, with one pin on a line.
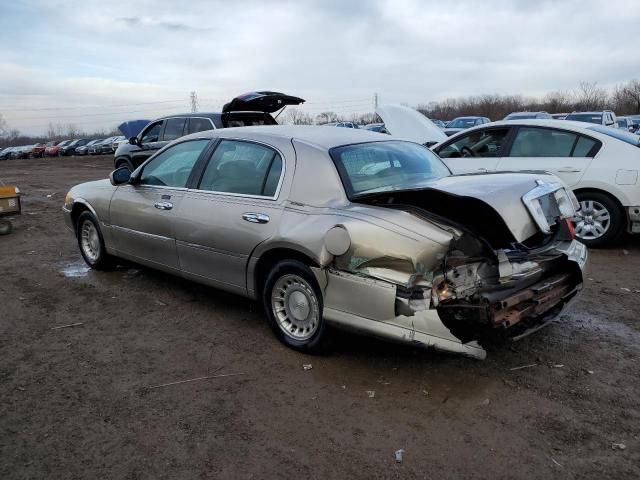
pixel 343 227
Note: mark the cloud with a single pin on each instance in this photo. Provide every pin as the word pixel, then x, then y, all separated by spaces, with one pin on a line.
pixel 335 53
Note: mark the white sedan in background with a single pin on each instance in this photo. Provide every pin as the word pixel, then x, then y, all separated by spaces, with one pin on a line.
pixel 600 164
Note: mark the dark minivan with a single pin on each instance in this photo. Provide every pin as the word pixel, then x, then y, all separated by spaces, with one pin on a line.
pixel 250 109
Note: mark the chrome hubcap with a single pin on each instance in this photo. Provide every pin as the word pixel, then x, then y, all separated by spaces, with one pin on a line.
pixel 295 307
pixel 592 221
pixel 90 241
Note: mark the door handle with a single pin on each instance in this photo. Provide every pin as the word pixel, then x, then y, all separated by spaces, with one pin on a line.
pixel 482 170
pixel 255 217
pixel 568 170
pixel 163 205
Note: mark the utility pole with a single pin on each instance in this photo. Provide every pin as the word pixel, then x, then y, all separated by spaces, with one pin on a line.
pixel 194 102
pixel 375 101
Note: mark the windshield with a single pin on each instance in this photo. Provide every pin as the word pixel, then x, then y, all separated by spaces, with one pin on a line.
pixel 462 123
pixel 381 166
pixel 585 117
pixel 618 133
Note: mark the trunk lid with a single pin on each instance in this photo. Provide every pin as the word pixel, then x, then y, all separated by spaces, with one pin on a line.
pixel 491 205
pixel 263 101
pixel 408 123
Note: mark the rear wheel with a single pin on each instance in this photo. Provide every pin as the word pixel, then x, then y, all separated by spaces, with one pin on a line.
pixel 293 304
pixel 600 221
pixel 91 242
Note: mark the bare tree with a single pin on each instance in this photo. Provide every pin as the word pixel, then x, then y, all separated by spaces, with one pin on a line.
pixel 632 90
pixel 327 117
pixel 590 97
pixel 295 116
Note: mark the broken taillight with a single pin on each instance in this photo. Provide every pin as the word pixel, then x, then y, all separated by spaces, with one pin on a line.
pixel 571 227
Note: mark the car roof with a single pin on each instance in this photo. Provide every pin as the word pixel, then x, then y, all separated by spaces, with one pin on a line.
pixel 317 135
pixel 580 127
pixel 470 116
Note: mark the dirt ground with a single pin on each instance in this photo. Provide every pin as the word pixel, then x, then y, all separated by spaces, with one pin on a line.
pixel 74 401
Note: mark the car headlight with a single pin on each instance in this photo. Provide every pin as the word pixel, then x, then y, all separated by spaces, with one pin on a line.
pixel 68 200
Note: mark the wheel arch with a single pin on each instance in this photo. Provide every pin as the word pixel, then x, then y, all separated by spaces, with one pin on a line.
pixel 79 206
pixel 258 274
pixel 123 160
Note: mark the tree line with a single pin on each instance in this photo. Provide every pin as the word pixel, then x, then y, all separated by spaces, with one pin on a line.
pixel 624 99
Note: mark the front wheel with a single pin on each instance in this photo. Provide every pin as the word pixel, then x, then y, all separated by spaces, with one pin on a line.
pixel 600 221
pixel 91 242
pixel 293 304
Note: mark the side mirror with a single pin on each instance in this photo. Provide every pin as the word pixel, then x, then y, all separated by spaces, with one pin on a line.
pixel 134 141
pixel 120 176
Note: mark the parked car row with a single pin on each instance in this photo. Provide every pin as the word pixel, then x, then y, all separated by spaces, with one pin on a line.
pixel 64 148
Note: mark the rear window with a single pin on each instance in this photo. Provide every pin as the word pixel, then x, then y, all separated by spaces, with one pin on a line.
pixel 381 166
pixel 618 133
pixel 520 116
pixel 585 117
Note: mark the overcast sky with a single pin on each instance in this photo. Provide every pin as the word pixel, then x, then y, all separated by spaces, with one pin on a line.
pixel 95 63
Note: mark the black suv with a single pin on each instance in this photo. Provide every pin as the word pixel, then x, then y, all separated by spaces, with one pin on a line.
pixel 250 109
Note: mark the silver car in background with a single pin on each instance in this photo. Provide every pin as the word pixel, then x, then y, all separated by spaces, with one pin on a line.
pixel 343 227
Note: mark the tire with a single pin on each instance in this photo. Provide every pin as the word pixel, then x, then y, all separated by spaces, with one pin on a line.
pixel 293 303
pixel 5 227
pixel 605 227
pixel 91 243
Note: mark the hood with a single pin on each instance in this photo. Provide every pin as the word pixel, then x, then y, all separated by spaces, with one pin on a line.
pixel 408 123
pixel 132 128
pixel 267 102
pixel 461 198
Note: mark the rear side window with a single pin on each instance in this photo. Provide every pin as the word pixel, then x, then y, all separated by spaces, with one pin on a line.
pixel 583 147
pixel 542 142
pixel 174 129
pixel 243 168
pixel 199 125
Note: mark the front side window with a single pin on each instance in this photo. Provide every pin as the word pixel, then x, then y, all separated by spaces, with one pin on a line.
pixel 243 168
pixel 152 133
pixel 381 166
pixel 199 125
pixel 172 167
pixel 173 129
pixel 542 142
pixel 479 143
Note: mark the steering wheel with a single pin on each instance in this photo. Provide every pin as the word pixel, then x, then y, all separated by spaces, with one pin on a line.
pixel 467 152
